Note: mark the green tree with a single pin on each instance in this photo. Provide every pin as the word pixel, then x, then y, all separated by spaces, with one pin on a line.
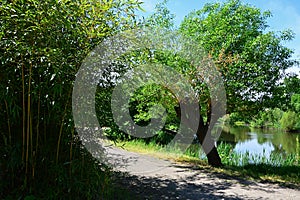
pixel 250 58
pixel 42 45
pixel 290 121
pixel 268 118
pixel 295 102
pixel 162 18
pixel 290 87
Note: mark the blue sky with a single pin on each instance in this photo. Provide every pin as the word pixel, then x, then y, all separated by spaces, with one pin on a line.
pixel 286 15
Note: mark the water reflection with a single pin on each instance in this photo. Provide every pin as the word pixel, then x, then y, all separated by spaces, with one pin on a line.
pixel 258 141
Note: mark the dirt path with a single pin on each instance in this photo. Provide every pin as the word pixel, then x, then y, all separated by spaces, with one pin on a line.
pixel 153 178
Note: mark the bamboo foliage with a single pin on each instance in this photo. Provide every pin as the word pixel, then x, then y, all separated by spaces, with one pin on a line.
pixel 42 45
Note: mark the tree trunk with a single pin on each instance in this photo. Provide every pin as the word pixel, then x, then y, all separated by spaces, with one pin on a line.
pixel 214 158
pixel 208 144
pixel 205 138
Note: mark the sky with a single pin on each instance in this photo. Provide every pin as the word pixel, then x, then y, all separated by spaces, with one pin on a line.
pixel 285 15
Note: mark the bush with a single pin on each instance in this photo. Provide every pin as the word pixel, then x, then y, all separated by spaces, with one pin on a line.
pixel 289 121
pixel 235 119
pixel 268 118
pixel 295 102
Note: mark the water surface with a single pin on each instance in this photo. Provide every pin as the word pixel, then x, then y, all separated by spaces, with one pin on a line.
pixel 261 141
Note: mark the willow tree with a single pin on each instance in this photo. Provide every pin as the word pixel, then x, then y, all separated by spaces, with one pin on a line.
pixel 150 95
pixel 251 58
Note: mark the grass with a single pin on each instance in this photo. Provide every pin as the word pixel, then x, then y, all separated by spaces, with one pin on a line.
pixel 276 169
pixel 239 123
pixel 150 149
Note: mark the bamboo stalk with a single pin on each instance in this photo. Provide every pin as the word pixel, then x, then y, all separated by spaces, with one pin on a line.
pixel 71 152
pixel 23 113
pixel 37 134
pixel 61 126
pixel 30 134
pixel 31 144
pixel 8 123
pixel 45 129
pixel 38 122
pixel 28 120
pixel 298 147
pixel 4 138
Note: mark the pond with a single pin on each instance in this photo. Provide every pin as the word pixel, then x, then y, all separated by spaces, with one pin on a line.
pixel 261 141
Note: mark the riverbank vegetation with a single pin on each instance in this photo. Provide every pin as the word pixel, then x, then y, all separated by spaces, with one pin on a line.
pixel 286 118
pixel 275 168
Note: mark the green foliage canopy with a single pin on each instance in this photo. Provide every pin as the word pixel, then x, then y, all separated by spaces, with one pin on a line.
pixel 251 58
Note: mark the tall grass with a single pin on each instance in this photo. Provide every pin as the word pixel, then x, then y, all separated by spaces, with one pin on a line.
pixel 228 155
pixel 233 158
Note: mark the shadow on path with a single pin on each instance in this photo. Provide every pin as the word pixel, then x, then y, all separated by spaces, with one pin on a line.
pixel 159 188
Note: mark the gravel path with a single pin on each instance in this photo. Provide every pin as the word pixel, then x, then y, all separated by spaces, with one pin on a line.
pixel 152 178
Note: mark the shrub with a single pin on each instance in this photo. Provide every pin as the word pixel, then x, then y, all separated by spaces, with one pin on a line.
pixel 235 119
pixel 268 118
pixel 295 102
pixel 289 121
